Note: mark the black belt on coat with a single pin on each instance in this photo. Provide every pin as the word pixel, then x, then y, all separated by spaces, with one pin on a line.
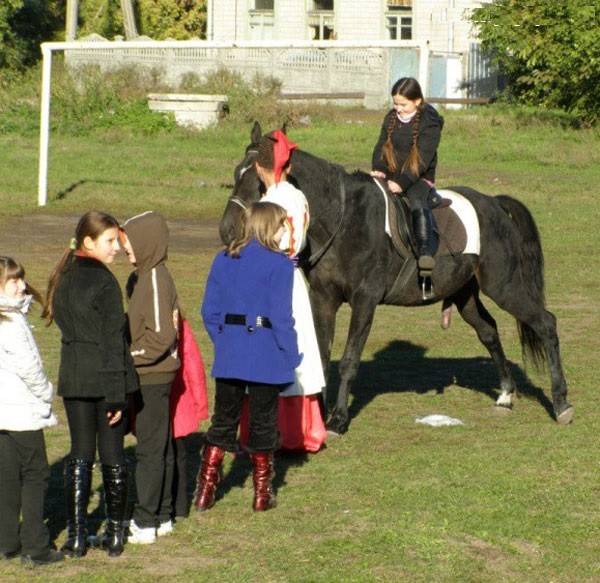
pixel 241 320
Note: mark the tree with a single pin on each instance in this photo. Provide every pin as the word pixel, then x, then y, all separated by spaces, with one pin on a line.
pixel 24 24
pixel 176 19
pixel 549 52
pixel 158 19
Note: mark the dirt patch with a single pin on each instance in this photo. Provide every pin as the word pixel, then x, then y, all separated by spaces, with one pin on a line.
pixel 40 235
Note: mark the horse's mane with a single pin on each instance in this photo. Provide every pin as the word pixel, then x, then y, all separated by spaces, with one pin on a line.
pixel 327 167
pixel 361 174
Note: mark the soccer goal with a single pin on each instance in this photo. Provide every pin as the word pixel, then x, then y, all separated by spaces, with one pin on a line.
pixel 306 68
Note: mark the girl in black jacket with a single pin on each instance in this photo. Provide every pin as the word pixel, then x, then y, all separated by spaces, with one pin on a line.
pixel 405 155
pixel 95 377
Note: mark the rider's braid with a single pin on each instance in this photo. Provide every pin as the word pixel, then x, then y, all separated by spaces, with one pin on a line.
pixel 414 162
pixel 387 152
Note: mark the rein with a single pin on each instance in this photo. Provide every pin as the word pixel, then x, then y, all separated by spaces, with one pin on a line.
pixel 315 257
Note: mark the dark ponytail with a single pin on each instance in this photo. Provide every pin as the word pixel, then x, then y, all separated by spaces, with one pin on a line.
pixel 92 225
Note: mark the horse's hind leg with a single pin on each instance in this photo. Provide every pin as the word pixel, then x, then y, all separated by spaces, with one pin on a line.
pixel 539 338
pixel 544 326
pixel 474 313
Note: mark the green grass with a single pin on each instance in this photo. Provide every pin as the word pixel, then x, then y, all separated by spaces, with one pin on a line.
pixel 506 497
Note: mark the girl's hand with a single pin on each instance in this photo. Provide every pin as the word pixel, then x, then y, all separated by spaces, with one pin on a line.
pixel 377 173
pixel 394 187
pixel 114 417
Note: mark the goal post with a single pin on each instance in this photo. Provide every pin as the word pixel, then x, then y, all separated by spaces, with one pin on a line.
pixel 365 67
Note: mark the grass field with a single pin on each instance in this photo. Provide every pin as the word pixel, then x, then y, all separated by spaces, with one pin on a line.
pixel 505 497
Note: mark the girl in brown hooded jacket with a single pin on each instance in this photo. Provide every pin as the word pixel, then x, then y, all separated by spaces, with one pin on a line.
pixel 153 316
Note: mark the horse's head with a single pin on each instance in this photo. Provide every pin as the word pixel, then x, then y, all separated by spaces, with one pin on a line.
pixel 247 188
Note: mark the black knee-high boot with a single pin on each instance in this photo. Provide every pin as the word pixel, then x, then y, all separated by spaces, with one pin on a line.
pixel 115 498
pixel 423 227
pixel 78 483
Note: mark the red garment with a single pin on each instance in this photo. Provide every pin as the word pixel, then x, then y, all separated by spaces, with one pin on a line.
pixel 188 400
pixel 299 421
pixel 282 150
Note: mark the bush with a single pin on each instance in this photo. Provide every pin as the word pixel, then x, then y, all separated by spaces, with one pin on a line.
pixel 257 99
pixel 88 99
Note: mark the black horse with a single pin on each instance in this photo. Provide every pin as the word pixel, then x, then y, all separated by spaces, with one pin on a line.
pixel 353 260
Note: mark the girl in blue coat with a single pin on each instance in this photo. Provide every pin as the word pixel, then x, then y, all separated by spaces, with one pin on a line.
pixel 247 311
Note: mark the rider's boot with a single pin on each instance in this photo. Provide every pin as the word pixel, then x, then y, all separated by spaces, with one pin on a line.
pixel 422 220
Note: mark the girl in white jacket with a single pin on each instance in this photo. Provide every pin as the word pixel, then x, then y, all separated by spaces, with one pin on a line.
pixel 25 410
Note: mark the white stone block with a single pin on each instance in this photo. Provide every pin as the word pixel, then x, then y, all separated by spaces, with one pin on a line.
pixel 190 110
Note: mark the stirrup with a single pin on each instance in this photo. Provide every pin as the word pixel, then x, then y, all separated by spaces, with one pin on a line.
pixel 426 285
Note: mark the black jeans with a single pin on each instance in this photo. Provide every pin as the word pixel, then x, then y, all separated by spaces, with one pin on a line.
pixel 418 195
pixel 154 454
pixel 229 398
pixel 23 485
pixel 181 501
pixel 87 423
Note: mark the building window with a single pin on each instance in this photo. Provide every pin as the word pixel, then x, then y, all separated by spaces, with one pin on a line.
pixel 399 19
pixel 322 5
pixel 261 20
pixel 320 19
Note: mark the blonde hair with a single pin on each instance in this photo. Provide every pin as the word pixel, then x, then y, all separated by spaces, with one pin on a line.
pixel 409 88
pixel 92 224
pixel 261 221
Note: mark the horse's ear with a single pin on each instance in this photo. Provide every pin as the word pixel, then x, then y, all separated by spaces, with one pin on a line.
pixel 256 133
pixel 284 128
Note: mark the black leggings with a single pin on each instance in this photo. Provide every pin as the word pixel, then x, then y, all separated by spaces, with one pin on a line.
pixel 418 195
pixel 87 423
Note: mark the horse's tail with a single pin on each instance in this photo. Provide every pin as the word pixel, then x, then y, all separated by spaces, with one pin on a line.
pixel 531 264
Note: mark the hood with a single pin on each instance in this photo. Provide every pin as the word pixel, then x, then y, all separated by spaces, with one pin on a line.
pixel 148 234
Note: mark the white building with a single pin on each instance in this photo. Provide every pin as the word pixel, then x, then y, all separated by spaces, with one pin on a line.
pixel 432 40
pixel 442 25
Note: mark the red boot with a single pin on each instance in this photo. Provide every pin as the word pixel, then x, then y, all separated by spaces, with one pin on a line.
pixel 208 477
pixel 262 474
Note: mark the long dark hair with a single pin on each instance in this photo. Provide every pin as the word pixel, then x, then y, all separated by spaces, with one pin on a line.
pixel 92 225
pixel 409 88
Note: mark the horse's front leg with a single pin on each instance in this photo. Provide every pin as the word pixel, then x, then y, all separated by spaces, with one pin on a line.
pixel 363 310
pixel 325 303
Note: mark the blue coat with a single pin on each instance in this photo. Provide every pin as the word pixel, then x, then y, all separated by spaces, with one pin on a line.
pixel 257 283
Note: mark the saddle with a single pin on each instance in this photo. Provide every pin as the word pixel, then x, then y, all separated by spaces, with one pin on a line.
pixel 448 228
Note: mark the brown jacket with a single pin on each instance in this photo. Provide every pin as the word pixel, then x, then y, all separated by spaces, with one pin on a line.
pixel 153 307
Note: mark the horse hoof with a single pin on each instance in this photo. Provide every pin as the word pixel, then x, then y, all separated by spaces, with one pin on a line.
pixel 504 403
pixel 565 417
pixel 332 435
pixel 339 428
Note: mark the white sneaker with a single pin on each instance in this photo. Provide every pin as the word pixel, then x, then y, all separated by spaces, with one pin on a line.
pixel 141 536
pixel 165 528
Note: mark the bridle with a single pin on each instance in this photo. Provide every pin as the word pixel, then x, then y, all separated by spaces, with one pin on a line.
pixel 315 257
pixel 236 199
